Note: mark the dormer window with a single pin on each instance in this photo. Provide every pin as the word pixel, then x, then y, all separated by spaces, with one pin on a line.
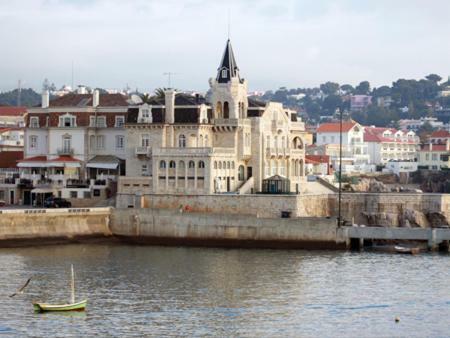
pixel 67 121
pixel 34 122
pixel 145 114
pixel 224 73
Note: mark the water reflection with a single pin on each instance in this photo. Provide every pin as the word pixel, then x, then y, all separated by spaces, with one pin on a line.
pixel 135 290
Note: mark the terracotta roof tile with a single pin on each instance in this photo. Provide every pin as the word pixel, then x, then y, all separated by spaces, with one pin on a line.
pixel 85 100
pixel 12 111
pixel 334 127
pixel 9 159
pixel 440 134
pixel 436 147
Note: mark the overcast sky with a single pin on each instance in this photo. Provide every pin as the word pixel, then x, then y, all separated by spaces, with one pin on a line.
pixel 292 43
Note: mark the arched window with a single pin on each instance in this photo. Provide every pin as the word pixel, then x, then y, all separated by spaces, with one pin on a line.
pixel 201 164
pixel 191 164
pixel 224 165
pixel 219 110
pixel 206 141
pixel 241 173
pixel 162 164
pixel 172 164
pixel 226 110
pixel 232 165
pixel 215 164
pixel 181 164
pixel 228 165
pixel 182 141
pixel 220 165
pixel 200 142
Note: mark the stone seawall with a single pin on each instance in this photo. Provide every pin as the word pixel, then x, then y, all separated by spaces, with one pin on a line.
pixel 49 225
pixel 393 209
pixel 268 206
pixel 192 228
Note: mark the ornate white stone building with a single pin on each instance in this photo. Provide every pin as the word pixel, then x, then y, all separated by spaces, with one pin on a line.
pixel 183 144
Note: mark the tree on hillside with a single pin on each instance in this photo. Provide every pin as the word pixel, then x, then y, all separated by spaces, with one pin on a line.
pixel 28 98
pixel 347 88
pixel 433 78
pixel 331 103
pixel 363 88
pixel 425 131
pixel 381 91
pixel 329 88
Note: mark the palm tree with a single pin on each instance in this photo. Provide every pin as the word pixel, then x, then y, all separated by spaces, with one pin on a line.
pixel 145 98
pixel 160 92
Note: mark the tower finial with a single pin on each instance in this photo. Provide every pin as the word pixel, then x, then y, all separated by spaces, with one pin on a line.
pixel 228 17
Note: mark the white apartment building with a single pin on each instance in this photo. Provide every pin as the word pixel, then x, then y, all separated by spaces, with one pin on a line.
pixel 75 147
pixel 354 149
pixel 389 144
pixel 434 156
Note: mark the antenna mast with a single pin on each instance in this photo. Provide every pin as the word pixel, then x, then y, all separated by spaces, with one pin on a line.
pixel 19 93
pixel 169 78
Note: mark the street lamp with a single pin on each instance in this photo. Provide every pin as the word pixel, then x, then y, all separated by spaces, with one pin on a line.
pixel 340 168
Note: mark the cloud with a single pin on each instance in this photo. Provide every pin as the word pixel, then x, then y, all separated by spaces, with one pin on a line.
pixel 293 43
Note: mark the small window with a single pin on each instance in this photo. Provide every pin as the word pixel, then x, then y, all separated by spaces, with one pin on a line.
pixel 34 122
pixel 172 164
pixel 215 164
pixel 182 141
pixel 191 164
pixel 144 170
pixel 224 73
pixel 120 121
pixel 33 141
pixel 145 140
pixel 96 192
pixel 162 164
pixel 73 194
pixel 100 141
pixel 120 141
pixel 201 164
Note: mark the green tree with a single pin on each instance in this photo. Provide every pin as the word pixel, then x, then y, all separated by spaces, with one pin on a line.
pixel 363 88
pixel 331 103
pixel 433 78
pixel 347 88
pixel 329 88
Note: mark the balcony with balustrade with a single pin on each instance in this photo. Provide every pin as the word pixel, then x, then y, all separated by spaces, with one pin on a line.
pixel 143 151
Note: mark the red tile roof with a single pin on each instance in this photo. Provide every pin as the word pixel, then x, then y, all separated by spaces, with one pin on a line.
pixel 375 134
pixel 436 147
pixel 317 159
pixel 12 111
pixel 85 100
pixel 9 159
pixel 440 134
pixel 335 128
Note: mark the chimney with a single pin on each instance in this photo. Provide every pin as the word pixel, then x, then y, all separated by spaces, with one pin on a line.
pixel 45 99
pixel 95 98
pixel 169 96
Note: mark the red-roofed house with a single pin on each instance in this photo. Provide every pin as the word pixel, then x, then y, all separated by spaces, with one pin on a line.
pixel 434 156
pixel 12 116
pixel 439 136
pixel 74 146
pixel 389 144
pixel 317 165
pixel 354 149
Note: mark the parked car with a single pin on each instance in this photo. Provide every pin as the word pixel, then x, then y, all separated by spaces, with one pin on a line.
pixel 56 202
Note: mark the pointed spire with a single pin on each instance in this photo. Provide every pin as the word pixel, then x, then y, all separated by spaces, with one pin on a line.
pixel 228 67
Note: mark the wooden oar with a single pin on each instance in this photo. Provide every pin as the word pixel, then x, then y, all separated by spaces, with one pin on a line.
pixel 20 291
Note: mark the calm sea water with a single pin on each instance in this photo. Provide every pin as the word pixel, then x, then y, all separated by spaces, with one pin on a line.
pixel 163 291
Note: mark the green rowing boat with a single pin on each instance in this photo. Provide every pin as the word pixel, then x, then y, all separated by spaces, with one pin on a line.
pixel 72 306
